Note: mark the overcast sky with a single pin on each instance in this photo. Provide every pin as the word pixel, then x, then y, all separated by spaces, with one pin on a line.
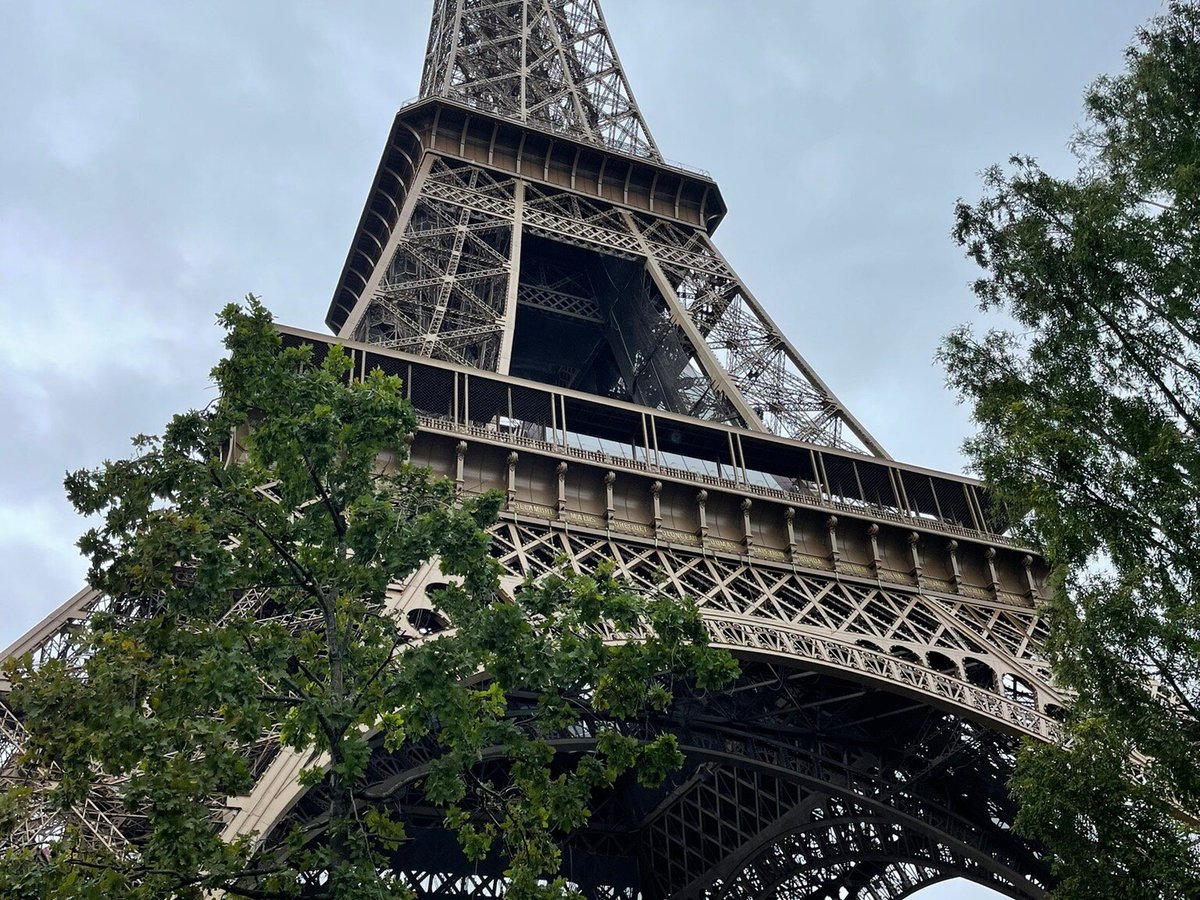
pixel 159 159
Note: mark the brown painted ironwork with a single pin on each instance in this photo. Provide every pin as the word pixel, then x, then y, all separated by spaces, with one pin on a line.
pixel 547 287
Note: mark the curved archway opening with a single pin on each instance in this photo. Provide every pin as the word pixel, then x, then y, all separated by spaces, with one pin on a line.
pixel 867 790
pixel 956 889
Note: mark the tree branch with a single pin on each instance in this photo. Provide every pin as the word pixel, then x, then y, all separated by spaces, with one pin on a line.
pixel 335 514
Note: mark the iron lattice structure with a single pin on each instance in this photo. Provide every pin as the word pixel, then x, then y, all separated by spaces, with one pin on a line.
pixel 526 141
pixel 547 287
pixel 547 63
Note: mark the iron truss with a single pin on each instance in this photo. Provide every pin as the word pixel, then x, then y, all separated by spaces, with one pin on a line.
pixel 550 63
pixel 523 222
pixel 861 751
pixel 983 657
pixel 796 785
pixel 445 290
pixel 690 337
pixel 864 755
pixel 105 819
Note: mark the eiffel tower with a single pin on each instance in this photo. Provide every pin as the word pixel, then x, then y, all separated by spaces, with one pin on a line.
pixel 547 287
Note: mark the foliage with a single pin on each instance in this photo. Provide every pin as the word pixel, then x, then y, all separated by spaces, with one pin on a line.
pixel 248 556
pixel 1088 408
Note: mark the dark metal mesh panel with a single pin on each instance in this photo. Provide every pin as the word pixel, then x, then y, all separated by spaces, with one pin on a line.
pixel 432 391
pixel 529 406
pixel 488 400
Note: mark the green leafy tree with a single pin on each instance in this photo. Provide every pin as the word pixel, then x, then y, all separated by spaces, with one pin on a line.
pixel 247 555
pixel 1088 407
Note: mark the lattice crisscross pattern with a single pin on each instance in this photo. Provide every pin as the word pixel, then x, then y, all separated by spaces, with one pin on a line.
pixel 550 63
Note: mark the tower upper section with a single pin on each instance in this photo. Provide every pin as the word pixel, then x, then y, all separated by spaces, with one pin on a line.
pixel 522 221
pixel 549 63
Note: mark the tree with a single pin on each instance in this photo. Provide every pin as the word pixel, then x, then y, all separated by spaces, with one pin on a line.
pixel 1088 407
pixel 247 556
